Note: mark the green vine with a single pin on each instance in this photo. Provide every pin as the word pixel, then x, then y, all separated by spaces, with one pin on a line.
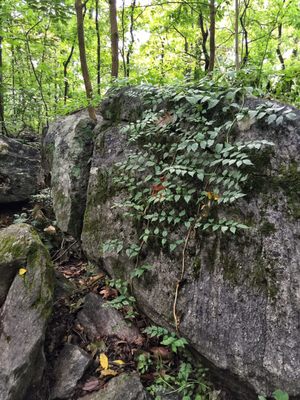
pixel 184 167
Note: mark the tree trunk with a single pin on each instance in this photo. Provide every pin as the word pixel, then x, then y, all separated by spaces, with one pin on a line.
pixel 245 54
pixel 212 35
pixel 2 123
pixel 278 50
pixel 114 37
pixel 98 48
pixel 236 35
pixel 131 28
pixel 204 33
pixel 66 82
pixel 83 62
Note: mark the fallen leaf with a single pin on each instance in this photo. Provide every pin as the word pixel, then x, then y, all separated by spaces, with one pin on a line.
pixel 95 278
pixel 104 361
pixel 108 292
pixel 50 229
pixel 161 352
pixel 119 362
pixel 22 271
pixel 91 385
pixel 109 372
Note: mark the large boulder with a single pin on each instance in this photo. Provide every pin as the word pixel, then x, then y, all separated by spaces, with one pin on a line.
pixel 239 303
pixel 68 145
pixel 26 302
pixel 20 170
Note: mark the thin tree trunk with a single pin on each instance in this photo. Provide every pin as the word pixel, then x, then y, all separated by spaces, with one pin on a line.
pixel 2 122
pixel 66 82
pixel 245 33
pixel 98 48
pixel 130 47
pixel 236 35
pixel 212 35
pixel 13 78
pixel 204 34
pixel 162 59
pixel 36 76
pixel 278 49
pixel 114 37
pixel 83 62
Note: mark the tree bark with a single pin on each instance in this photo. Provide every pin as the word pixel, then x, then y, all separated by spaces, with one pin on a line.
pixel 83 62
pixel 278 49
pixel 204 34
pixel 114 37
pixel 212 35
pixel 236 35
pixel 245 55
pixel 98 48
pixel 2 122
pixel 66 82
pixel 131 28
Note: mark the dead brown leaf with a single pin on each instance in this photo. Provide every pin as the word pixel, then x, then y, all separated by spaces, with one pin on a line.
pixel 91 385
pixel 161 352
pixel 108 293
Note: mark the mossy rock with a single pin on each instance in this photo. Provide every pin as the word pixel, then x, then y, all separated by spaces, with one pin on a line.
pixel 26 306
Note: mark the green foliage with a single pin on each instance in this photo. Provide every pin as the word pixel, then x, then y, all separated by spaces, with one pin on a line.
pixel 277 395
pixel 124 301
pixel 169 45
pixel 187 167
pixel 166 338
pixel 187 379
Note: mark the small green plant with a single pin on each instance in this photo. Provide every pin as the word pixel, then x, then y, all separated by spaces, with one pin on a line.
pixel 124 301
pixel 144 362
pixel 20 218
pixel 183 377
pixel 141 270
pixel 166 338
pixel 277 395
pixel 188 382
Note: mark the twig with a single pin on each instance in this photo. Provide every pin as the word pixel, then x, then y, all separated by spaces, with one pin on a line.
pixel 60 256
pixel 176 319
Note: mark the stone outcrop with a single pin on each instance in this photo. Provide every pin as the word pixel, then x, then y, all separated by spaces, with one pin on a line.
pixel 69 368
pixel 20 170
pixel 68 144
pixel 100 320
pixel 26 305
pixel 239 304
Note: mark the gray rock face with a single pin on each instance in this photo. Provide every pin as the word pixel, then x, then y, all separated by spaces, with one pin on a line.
pixel 240 302
pixel 20 170
pixel 124 386
pixel 24 314
pixel 69 368
pixel 101 321
pixel 68 144
pixel 124 104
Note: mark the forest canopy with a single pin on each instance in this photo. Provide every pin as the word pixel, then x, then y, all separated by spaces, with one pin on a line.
pixel 252 43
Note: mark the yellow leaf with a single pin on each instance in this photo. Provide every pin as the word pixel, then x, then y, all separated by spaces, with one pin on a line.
pixel 108 372
pixel 104 361
pixel 118 362
pixel 22 271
